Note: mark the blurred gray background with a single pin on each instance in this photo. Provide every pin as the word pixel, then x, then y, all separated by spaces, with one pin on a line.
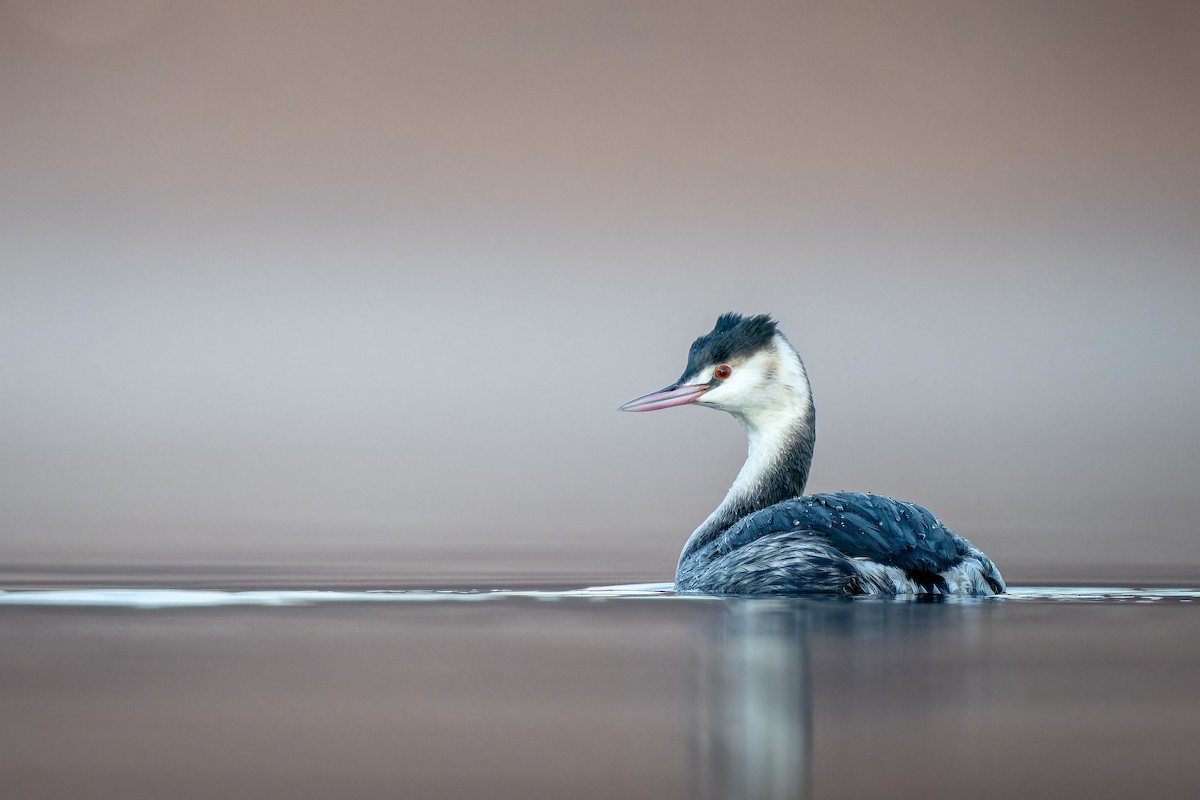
pixel 360 285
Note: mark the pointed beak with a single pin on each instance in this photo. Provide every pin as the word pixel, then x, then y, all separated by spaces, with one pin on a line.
pixel 665 398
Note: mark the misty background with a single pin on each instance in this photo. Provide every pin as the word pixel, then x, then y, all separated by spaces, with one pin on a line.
pixel 309 285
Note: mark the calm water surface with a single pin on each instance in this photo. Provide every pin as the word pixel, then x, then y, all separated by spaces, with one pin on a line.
pixel 625 692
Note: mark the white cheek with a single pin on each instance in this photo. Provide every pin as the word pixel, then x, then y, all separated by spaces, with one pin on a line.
pixel 727 392
pixel 743 388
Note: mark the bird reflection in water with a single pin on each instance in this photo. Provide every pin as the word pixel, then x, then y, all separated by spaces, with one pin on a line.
pixel 752 731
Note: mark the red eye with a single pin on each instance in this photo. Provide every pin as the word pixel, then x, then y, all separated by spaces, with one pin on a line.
pixel 722 372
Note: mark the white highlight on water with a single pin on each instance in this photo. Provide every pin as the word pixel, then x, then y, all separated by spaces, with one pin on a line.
pixel 199 598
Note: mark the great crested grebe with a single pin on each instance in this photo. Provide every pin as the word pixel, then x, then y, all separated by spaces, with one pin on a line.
pixel 767 536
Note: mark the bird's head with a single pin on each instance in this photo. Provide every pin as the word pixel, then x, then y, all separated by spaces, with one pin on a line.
pixel 744 366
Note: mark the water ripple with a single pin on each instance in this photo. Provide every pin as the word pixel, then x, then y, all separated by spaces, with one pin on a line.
pixel 194 598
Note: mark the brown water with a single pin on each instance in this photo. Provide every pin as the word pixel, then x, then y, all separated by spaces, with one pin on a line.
pixel 619 693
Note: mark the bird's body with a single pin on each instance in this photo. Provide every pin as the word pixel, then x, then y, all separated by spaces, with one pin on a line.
pixel 767 536
pixel 846 543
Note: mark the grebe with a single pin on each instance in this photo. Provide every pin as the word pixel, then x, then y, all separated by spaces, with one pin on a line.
pixel 767 536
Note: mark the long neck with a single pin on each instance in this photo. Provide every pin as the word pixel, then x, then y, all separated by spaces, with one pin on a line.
pixel 776 468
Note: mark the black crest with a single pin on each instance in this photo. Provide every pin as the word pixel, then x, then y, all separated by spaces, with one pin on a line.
pixel 734 336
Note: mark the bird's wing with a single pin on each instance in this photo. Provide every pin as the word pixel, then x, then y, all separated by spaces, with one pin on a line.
pixel 890 532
